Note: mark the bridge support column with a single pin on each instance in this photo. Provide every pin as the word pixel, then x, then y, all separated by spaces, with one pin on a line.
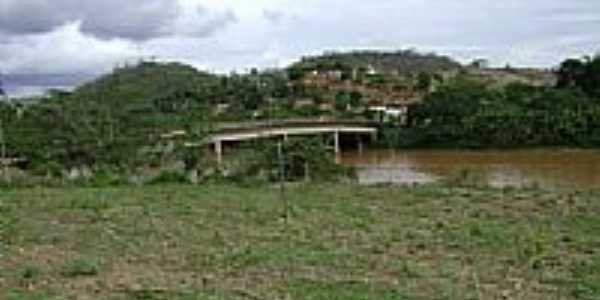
pixel 360 144
pixel 336 142
pixel 219 151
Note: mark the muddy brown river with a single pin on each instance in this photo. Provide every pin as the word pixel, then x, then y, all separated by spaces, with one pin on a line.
pixel 551 168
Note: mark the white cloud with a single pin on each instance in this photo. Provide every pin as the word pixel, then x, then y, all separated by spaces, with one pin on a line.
pixel 65 50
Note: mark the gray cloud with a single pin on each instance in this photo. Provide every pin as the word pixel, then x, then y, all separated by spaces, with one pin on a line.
pixel 132 19
pixel 137 20
pixel 202 22
pixel 45 36
pixel 32 16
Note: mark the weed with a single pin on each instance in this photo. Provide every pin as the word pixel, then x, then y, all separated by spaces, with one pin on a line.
pixel 29 272
pixel 81 267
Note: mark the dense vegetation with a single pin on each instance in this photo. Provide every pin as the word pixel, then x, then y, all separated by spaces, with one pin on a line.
pixel 118 119
pixel 106 121
pixel 295 159
pixel 465 112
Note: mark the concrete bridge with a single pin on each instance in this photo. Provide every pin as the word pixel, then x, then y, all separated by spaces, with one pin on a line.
pixel 240 132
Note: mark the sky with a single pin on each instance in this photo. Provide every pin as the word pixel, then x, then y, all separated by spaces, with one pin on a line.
pixel 60 43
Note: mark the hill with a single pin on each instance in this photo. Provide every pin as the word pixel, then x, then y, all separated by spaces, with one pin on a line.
pixel 403 62
pixel 108 119
pixel 143 84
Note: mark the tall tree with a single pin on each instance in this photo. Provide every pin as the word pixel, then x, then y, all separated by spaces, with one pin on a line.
pixel 570 73
pixel 424 81
pixel 2 93
pixel 583 74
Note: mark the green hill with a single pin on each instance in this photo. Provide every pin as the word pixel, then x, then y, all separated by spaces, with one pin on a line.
pixel 144 84
pixel 403 62
pixel 108 119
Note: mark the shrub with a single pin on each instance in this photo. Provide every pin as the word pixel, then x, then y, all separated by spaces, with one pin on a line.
pixel 303 159
pixel 170 177
pixel 29 272
pixel 105 177
pixel 81 267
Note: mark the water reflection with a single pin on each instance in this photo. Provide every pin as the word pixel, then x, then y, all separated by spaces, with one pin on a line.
pixel 546 168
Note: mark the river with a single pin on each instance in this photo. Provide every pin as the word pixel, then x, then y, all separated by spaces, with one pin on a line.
pixel 548 168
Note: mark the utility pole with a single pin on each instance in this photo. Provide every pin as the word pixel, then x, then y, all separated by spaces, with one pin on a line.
pixel 281 163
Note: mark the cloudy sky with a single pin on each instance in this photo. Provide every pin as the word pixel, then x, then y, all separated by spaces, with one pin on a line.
pixel 58 43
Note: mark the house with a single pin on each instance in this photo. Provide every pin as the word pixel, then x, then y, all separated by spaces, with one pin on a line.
pixel 316 76
pixel 389 113
pixel 326 107
pixel 304 103
pixel 222 108
pixel 371 70
pixel 334 75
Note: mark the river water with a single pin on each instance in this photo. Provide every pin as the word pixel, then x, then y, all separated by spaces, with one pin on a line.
pixel 551 168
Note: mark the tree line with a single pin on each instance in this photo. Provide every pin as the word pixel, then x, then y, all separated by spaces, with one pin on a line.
pixel 467 113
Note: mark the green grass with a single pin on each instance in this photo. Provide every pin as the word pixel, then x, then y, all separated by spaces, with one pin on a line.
pixel 340 242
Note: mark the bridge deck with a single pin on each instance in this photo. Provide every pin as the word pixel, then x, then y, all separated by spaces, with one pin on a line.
pixel 285 129
pixel 256 133
pixel 255 125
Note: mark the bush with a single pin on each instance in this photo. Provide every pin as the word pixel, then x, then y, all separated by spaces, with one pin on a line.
pixel 105 177
pixel 169 177
pixel 29 272
pixel 81 267
pixel 303 159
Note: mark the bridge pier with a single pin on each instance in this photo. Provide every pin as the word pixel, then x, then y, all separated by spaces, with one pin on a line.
pixel 336 142
pixel 360 144
pixel 219 151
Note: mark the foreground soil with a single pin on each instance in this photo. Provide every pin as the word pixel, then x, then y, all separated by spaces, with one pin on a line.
pixel 332 242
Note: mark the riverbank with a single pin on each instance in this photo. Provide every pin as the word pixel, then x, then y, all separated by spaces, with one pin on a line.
pixel 337 242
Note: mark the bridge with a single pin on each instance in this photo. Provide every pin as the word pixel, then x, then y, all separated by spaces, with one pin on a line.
pixel 282 129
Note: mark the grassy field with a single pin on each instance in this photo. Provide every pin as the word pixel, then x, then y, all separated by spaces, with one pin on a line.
pixel 339 242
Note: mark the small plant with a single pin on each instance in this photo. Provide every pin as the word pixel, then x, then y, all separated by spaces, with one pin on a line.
pixel 170 177
pixel 29 272
pixel 81 267
pixel 22 295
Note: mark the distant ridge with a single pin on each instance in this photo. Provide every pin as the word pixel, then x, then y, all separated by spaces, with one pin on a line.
pixel 402 62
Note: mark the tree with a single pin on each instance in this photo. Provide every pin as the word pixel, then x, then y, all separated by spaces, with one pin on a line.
pixel 424 81
pixel 582 74
pixel 591 81
pixel 343 101
pixel 295 73
pixel 3 111
pixel 570 73
pixel 2 93
pixel 355 98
